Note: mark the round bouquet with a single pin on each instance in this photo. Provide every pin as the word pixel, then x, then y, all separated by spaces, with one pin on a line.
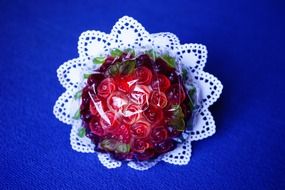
pixel 136 106
pixel 136 97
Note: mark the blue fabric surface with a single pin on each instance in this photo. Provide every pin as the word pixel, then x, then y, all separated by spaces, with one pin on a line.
pixel 245 40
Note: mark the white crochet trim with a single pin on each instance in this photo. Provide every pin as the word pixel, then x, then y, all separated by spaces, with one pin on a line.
pixel 129 33
pixel 108 162
pixel 143 165
pixel 80 144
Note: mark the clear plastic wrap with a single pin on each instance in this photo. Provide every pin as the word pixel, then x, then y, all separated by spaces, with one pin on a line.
pixel 136 105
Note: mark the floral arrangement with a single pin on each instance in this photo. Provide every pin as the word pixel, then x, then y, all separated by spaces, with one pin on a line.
pixel 135 106
pixel 136 97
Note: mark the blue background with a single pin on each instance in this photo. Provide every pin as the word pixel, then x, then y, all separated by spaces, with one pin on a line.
pixel 245 40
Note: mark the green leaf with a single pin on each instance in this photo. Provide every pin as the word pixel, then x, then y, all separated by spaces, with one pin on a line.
pixel 177 118
pixel 82 132
pixel 86 75
pixel 77 95
pixel 184 74
pixel 178 124
pixel 114 69
pixel 109 144
pixel 130 50
pixel 123 148
pixel 169 60
pixel 152 54
pixel 99 60
pixel 192 93
pixel 177 111
pixel 127 67
pixel 76 115
pixel 116 52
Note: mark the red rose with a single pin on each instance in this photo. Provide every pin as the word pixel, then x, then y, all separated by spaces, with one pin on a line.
pixel 125 83
pixel 158 98
pixel 131 113
pixel 153 114
pixel 122 133
pixel 96 127
pixel 97 107
pixel 140 129
pixel 140 94
pixel 143 75
pixel 160 82
pixel 95 79
pixel 117 101
pixel 106 87
pixel 109 121
pixel 140 145
pixel 159 134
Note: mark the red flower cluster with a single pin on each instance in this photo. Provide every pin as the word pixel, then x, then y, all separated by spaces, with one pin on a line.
pixel 134 107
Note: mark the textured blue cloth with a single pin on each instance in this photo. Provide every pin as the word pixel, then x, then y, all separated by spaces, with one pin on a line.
pixel 245 40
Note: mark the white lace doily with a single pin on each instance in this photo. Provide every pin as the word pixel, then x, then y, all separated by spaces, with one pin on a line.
pixel 128 33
